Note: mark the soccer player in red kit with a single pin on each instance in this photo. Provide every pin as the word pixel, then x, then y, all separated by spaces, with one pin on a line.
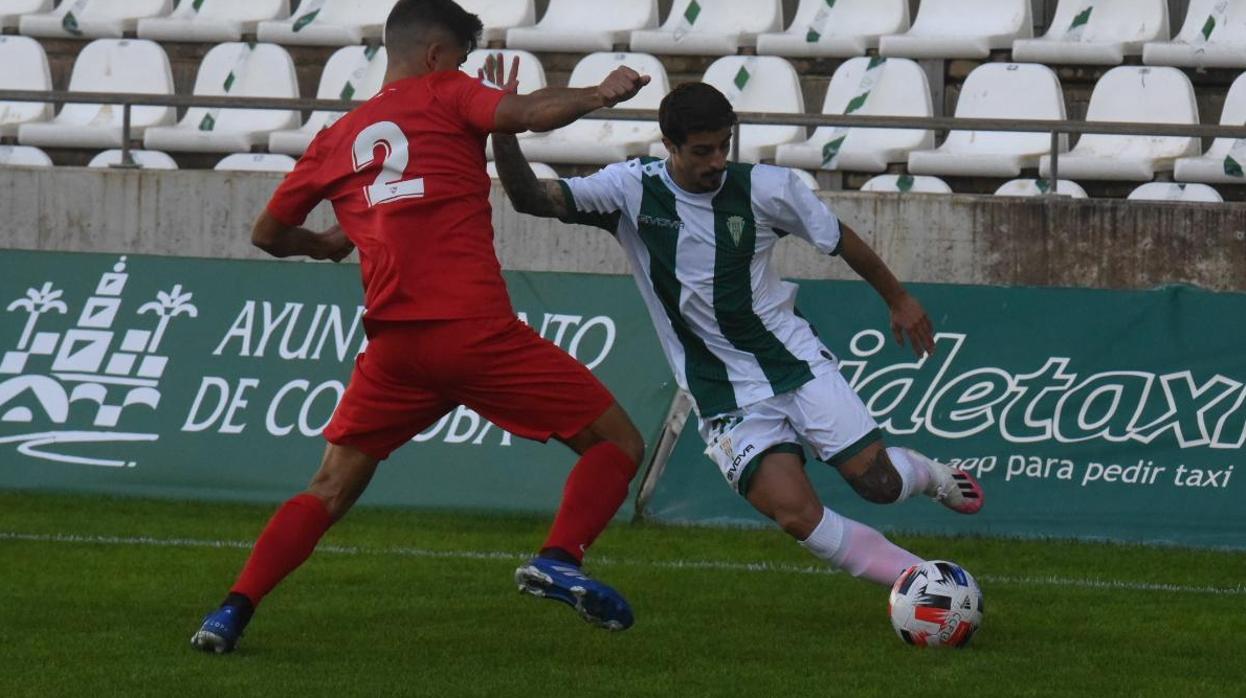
pixel 405 173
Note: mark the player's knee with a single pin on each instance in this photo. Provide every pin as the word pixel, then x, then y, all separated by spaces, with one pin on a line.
pixel 799 520
pixel 876 480
pixel 633 445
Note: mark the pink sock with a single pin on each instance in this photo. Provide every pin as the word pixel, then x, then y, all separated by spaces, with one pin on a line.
pixel 858 549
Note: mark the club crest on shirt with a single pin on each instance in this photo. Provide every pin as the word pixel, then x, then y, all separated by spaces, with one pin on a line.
pixel 735 226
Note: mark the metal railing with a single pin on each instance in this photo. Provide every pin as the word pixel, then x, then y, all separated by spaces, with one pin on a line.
pixel 942 124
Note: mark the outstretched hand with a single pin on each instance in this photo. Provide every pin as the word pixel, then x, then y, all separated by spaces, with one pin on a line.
pixel 494 73
pixel 908 318
pixel 621 85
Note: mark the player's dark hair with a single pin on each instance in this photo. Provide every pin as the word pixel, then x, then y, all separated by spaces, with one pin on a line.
pixel 411 21
pixel 694 107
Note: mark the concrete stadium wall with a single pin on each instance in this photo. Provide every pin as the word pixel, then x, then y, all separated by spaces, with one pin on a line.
pixel 942 239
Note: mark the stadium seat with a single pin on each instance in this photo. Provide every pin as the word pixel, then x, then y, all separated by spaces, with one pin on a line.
pixel 906 184
pixel 500 16
pixel 600 142
pixel 237 70
pixel 329 23
pixel 1225 161
pixel 255 162
pixel 808 179
pixel 575 25
pixel 144 159
pixel 1214 36
pixel 1040 187
pixel 961 29
pixel 540 169
pixel 92 18
pixel 998 91
pixel 873 86
pixel 25 68
pixel 352 72
pixel 11 11
pixel 757 84
pixel 108 65
pixel 1137 95
pixel 710 27
pixel 1169 191
pixel 23 156
pixel 841 29
pixel 1098 33
pixel 213 21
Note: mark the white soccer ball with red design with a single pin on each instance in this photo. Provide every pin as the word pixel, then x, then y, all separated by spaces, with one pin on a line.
pixel 936 603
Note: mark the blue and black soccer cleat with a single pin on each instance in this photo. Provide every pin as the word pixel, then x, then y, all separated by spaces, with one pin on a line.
pixel 596 603
pixel 221 630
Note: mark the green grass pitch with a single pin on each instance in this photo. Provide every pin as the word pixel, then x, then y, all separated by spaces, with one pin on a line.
pixel 99 597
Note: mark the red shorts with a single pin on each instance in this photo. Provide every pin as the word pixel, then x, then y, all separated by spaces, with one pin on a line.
pixel 413 373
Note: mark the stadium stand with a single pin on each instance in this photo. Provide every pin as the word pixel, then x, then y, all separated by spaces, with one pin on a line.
pixel 1040 187
pixel 1213 36
pixel 239 70
pixel 840 29
pixel 329 23
pixel 352 73
pixel 1098 33
pixel 12 10
pixel 906 184
pixel 876 86
pixel 143 159
pixel 23 156
pixel 26 68
pixel 575 25
pixel 213 21
pixel 500 16
pixel 107 65
pixel 961 29
pixel 1169 191
pixel 1136 95
pixel 600 142
pixel 540 169
pixel 255 162
pixel 710 27
pixel 76 19
pixel 1225 160
pixel 997 91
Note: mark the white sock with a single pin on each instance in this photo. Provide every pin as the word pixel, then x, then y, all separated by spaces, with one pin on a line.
pixel 858 549
pixel 914 475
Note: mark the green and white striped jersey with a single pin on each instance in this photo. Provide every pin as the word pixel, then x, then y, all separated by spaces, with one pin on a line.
pixel 727 323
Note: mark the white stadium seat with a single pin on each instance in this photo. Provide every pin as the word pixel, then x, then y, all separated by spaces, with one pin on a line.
pixel 866 86
pixel 961 29
pixel 906 184
pixel 757 84
pixel 108 65
pixel 843 29
pixel 233 69
pixel 1225 161
pixel 329 23
pixel 144 159
pixel 23 156
pixel 540 169
pixel 255 162
pixel 1136 95
pixel 25 68
pixel 500 16
pixel 1168 191
pixel 1214 36
pixel 12 10
pixel 1040 187
pixel 998 91
pixel 600 142
pixel 710 27
pixel 1102 32
pixel 575 25
pixel 213 20
pixel 352 73
pixel 93 18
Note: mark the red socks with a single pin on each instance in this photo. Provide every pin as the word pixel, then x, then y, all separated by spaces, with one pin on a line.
pixel 592 496
pixel 287 541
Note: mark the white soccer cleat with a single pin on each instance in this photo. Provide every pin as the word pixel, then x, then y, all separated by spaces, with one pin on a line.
pixel 955 489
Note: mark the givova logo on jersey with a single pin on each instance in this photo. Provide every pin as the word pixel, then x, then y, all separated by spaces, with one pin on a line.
pixel 61 390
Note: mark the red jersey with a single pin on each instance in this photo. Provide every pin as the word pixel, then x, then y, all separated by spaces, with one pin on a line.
pixel 405 172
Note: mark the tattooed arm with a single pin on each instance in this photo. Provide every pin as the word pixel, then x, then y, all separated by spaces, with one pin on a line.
pixel 542 198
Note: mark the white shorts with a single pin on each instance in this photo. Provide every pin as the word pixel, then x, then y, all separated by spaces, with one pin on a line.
pixel 824 413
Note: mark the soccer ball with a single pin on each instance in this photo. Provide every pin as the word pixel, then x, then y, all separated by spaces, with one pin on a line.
pixel 935 603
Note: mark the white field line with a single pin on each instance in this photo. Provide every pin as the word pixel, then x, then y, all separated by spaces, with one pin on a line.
pixel 714 565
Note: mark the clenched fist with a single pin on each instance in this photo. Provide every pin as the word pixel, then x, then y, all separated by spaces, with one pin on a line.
pixel 621 85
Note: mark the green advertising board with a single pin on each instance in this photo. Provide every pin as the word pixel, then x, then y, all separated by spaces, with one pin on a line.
pixel 1088 414
pixel 196 378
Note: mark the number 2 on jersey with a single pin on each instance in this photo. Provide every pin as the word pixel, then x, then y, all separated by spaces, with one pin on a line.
pixel 389 185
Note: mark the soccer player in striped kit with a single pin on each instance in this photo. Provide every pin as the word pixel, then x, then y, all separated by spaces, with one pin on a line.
pixel 699 231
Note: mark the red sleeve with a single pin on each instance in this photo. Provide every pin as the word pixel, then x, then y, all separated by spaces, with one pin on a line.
pixel 474 101
pixel 303 189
